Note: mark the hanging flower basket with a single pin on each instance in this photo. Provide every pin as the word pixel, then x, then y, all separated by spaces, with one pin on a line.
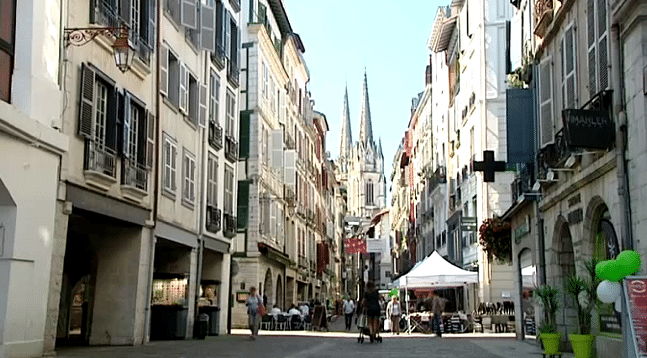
pixel 495 236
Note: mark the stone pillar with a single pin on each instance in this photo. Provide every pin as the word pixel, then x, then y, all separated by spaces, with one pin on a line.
pixel 193 276
pixel 63 210
pixel 224 292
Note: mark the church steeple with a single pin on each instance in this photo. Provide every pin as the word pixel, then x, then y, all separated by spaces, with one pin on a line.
pixel 365 126
pixel 346 139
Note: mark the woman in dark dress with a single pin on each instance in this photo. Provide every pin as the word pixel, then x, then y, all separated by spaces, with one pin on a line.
pixel 371 303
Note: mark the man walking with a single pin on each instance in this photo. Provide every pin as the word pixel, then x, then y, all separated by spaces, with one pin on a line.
pixel 348 307
pixel 437 306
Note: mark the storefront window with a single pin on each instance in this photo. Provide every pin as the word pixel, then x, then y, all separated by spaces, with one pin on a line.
pixel 606 248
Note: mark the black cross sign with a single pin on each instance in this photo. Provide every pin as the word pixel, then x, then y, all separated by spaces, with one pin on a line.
pixel 488 166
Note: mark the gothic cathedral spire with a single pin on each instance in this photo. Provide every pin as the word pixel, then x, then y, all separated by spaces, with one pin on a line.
pixel 365 126
pixel 346 139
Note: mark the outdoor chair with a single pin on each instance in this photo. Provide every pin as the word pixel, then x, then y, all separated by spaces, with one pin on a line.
pixel 266 322
pixel 307 322
pixel 281 322
pixel 295 322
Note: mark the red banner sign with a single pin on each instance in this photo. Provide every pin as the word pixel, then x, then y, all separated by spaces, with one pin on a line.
pixel 354 246
pixel 636 289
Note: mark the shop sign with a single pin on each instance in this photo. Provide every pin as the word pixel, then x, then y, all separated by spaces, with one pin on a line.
pixel 636 293
pixel 241 296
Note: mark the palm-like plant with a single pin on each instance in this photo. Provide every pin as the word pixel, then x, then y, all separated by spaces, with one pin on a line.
pixel 548 297
pixel 584 292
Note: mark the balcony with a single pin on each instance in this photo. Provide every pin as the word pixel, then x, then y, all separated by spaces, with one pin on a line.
pixel 303 261
pixel 543 16
pixel 213 219
pixel 289 195
pixel 553 155
pixel 218 57
pixel 134 180
pixel 438 177
pixel 289 142
pixel 99 165
pixel 231 148
pixel 229 229
pixel 215 135
pixel 523 182
pixel 233 72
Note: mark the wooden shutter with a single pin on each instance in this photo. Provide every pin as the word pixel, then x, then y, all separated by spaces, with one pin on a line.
pixel 242 209
pixel 112 125
pixel 266 215
pixel 603 61
pixel 272 205
pixel 234 43
pixel 227 39
pixel 189 11
pixel 125 129
pixel 244 135
pixel 184 79
pixel 546 105
pixel 207 27
pixel 277 148
pixel 142 138
pixel 262 13
pixel 591 42
pixel 150 140
pixel 204 91
pixel 164 70
pixel 569 89
pixel 152 24
pixel 219 23
pixel 86 110
pixel 290 167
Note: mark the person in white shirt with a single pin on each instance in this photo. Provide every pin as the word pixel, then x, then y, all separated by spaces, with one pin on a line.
pixel 349 308
pixel 275 310
pixel 294 311
pixel 393 310
pixel 305 309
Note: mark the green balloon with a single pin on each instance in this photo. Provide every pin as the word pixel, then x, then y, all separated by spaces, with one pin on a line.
pixel 615 271
pixel 630 261
pixel 601 270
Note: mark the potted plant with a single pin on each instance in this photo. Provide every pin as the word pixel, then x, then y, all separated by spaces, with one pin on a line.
pixel 495 235
pixel 583 291
pixel 548 298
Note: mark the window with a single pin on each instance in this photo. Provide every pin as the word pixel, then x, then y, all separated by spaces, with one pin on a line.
pixel 266 80
pixel 214 98
pixel 545 102
pixel 194 98
pixel 188 182
pixel 229 190
pixel 170 166
pixel 597 46
pixel 172 75
pixel 265 148
pixel 212 181
pixel 100 115
pixel 7 45
pixel 369 192
pixel 569 87
pixel 231 108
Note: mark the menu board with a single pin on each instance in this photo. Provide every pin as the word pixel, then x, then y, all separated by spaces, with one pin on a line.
pixel 636 289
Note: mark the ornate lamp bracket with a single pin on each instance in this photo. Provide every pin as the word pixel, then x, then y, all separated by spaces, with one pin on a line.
pixel 82 35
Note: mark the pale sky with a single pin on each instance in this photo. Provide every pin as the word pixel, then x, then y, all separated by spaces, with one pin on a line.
pixel 389 38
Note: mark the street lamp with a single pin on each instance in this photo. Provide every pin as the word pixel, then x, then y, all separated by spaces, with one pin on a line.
pixel 123 51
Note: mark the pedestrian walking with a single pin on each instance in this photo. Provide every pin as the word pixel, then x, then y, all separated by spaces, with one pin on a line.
pixel 393 311
pixel 255 310
pixel 371 303
pixel 437 307
pixel 349 308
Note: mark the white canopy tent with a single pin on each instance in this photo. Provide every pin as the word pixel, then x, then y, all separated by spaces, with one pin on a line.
pixel 435 271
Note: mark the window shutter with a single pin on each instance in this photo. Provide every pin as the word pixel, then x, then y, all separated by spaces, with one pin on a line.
pixel 234 43
pixel 204 91
pixel 150 140
pixel 112 127
pixel 152 24
pixel 192 176
pixel 86 112
pixel 164 70
pixel 242 209
pixel 167 164
pixel 262 13
pixel 142 139
pixel 290 167
pixel 266 215
pixel 546 107
pixel 189 14
pixel 570 68
pixel 220 20
pixel 227 39
pixel 272 205
pixel 603 63
pixel 244 136
pixel 590 15
pixel 207 27
pixel 277 148
pixel 125 129
pixel 124 11
pixel 183 88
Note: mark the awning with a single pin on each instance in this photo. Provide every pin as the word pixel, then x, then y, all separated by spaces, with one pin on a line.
pixel 435 271
pixel 445 34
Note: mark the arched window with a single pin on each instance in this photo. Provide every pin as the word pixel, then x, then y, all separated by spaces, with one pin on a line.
pixel 369 192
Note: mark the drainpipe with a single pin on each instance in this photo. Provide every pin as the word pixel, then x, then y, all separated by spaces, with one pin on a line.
pixel 153 239
pixel 621 134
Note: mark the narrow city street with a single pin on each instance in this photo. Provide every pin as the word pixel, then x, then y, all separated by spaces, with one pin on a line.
pixel 323 345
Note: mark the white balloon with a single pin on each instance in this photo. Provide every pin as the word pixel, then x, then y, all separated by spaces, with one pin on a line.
pixel 618 304
pixel 608 291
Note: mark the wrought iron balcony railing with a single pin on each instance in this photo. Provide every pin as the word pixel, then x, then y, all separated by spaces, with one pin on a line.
pixel 134 174
pixel 289 142
pixel 233 72
pixel 229 229
pixel 231 148
pixel 213 219
pixel 218 56
pixel 289 194
pixel 523 182
pixel 438 177
pixel 543 16
pixel 215 135
pixel 100 160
